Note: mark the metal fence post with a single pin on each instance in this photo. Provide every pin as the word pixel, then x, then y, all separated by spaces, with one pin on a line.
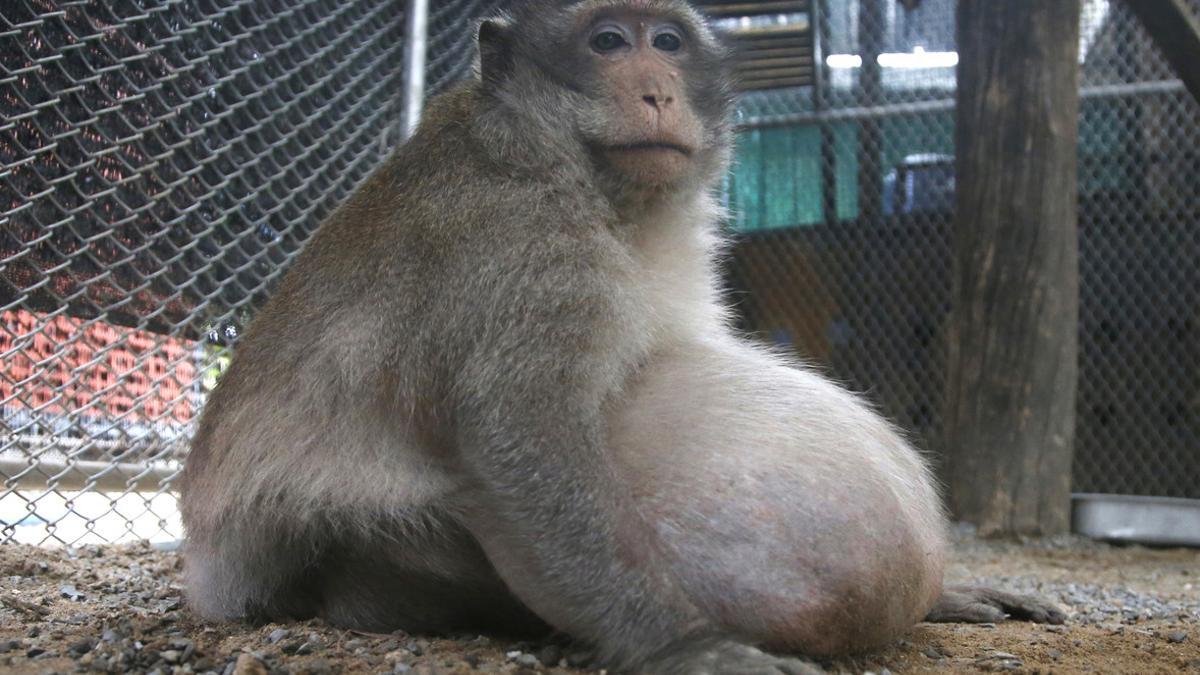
pixel 817 15
pixel 415 47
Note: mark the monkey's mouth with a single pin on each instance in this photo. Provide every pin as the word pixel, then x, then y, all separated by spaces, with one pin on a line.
pixel 651 146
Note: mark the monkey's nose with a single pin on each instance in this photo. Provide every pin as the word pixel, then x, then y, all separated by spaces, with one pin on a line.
pixel 657 101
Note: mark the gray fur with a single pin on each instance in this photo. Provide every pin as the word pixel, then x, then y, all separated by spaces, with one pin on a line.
pixel 497 391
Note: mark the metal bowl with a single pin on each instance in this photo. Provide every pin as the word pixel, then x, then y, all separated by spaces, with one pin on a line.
pixel 1165 521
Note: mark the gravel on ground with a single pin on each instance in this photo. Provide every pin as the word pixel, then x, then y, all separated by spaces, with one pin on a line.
pixel 120 609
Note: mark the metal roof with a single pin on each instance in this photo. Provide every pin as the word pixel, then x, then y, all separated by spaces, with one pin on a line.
pixel 770 54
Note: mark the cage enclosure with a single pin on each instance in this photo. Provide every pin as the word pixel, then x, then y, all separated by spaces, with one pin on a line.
pixel 162 162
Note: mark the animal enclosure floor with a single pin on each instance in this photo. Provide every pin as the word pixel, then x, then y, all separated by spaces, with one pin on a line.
pixel 120 609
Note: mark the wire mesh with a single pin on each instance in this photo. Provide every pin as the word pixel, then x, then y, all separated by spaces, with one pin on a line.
pixel 451 40
pixel 844 222
pixel 162 161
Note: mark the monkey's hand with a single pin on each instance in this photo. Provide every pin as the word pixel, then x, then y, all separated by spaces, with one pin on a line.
pixel 976 604
pixel 728 658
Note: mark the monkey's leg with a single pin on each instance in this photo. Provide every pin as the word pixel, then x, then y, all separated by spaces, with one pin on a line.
pixel 976 604
pixel 431 577
pixel 422 574
pixel 250 571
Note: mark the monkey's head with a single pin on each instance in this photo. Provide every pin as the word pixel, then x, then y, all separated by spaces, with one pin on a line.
pixel 639 90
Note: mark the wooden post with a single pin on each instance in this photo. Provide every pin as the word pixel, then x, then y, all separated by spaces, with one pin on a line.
pixel 1011 369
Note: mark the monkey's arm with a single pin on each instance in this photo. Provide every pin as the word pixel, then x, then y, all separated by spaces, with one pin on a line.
pixel 546 504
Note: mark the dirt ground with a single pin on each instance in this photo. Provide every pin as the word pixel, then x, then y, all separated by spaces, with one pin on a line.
pixel 120 609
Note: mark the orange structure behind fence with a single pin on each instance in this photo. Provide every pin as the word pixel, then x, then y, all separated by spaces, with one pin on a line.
pixel 82 370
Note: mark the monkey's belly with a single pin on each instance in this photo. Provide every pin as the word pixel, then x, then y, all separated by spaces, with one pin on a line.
pixel 793 514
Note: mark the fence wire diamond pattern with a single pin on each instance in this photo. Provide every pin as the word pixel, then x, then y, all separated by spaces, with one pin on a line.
pixel 162 161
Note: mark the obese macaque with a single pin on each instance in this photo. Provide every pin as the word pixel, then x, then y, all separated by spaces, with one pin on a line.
pixel 498 391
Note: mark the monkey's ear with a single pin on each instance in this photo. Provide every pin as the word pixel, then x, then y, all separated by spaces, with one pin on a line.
pixel 495 49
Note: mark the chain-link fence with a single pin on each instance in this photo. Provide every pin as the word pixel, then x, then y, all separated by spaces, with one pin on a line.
pixel 161 161
pixel 845 211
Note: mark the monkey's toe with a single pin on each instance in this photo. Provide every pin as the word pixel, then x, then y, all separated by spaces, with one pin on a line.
pixel 976 604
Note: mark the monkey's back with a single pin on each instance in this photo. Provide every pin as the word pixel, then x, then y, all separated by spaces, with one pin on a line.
pixel 354 354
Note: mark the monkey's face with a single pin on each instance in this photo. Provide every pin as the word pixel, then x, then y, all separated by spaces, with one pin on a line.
pixel 644 124
pixel 641 85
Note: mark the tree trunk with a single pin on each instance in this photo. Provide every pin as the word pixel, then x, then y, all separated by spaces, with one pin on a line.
pixel 1013 333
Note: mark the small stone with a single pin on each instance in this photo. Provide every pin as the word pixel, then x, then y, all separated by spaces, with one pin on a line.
pixel 247 664
pixel 933 653
pixel 306 648
pixel 71 593
pixel 549 655
pixel 417 647
pixel 316 667
pixel 1176 636
pixel 1051 628
pixel 186 648
pixel 9 645
pixel 387 646
pixel 999 664
pixel 1054 654
pixel 527 660
pixel 34 652
pixel 401 668
pixel 82 646
pixel 110 635
pixel 170 656
pixel 277 635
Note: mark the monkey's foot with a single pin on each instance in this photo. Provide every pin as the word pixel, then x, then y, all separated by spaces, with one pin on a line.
pixel 976 604
pixel 732 658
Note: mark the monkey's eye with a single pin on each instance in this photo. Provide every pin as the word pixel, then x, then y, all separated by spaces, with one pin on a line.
pixel 608 40
pixel 668 41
